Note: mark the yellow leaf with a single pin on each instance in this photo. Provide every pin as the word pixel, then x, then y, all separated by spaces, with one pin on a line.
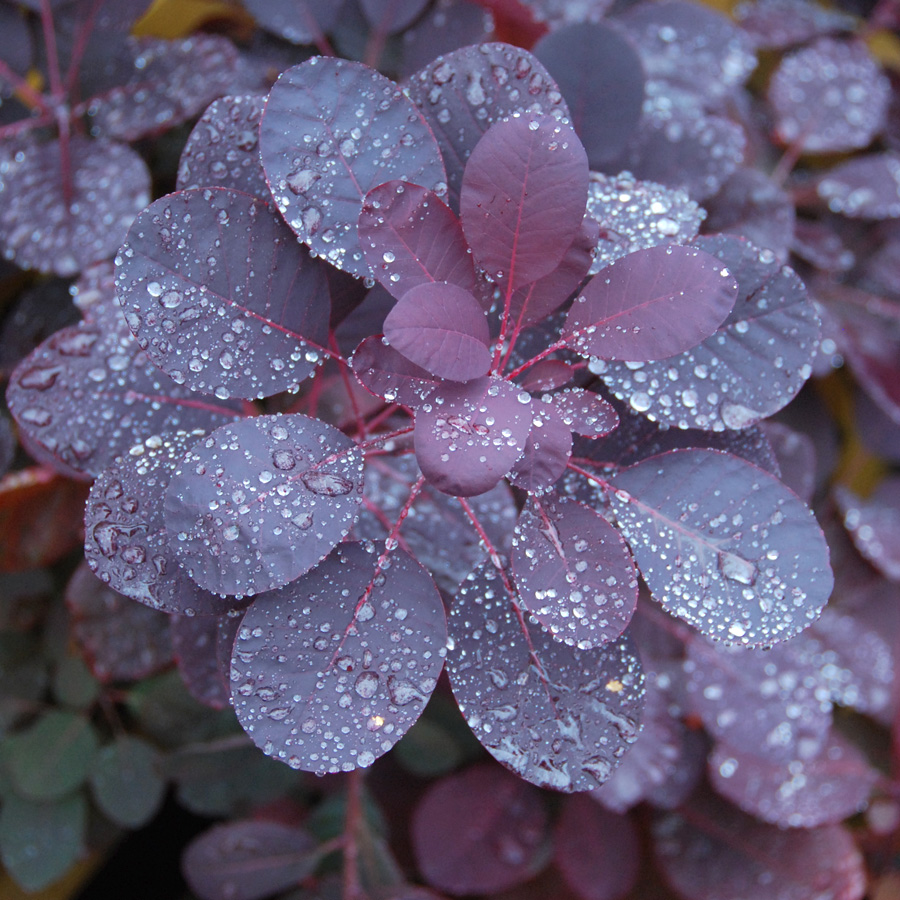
pixel 177 18
pixel 885 47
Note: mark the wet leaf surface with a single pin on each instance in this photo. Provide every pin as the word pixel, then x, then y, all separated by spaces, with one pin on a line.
pixel 126 543
pixel 320 169
pixel 388 374
pixel 573 573
pixel 196 643
pixel 121 640
pixel 469 436
pixel 223 148
pixel 874 524
pixel 723 545
pixel 558 717
pixel 866 187
pixel 329 672
pixel 546 454
pixel 110 185
pixel 239 525
pixel 774 24
pixel 750 368
pixel 479 831
pixel 89 391
pixel 463 93
pixel 221 296
pixel 829 96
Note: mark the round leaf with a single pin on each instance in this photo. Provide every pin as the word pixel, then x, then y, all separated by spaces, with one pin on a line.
pixel 298 21
pixel 126 543
pixel 126 783
pixel 723 545
pixel 479 832
pixel 260 502
pixel 469 436
pixel 546 454
pixel 390 375
pixel 867 187
pixel 523 197
pixel 558 717
pixel 573 573
pixel 331 131
pixel 221 295
pixel 441 328
pixel 331 671
pixel 651 304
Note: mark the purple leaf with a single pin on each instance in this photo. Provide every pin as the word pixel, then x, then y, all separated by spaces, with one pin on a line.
pixel 320 165
pixel 752 206
pixel 692 46
pixel 258 503
pixel 462 94
pixel 410 237
pixel 196 642
pixel 775 24
pixel 470 435
pixel 389 480
pixel 598 852
pixel 573 573
pixel 523 198
pixel 557 13
pixel 796 455
pixel 108 183
pixel 874 524
pixel 121 640
pixel 331 671
pixel 534 302
pixel 441 328
pixel 298 21
pixel 90 391
pixel 651 305
pixel 585 412
pixel 867 187
pixel 248 860
pixel 480 831
pixel 681 146
pixel 223 148
pixel 829 97
pixel 546 454
pixel 387 374
pixel 391 16
pixel 712 850
pixel 600 74
pixel 449 25
pixel 126 544
pixel 750 368
pixel 803 793
pixel 651 215
pixel 771 703
pixel 220 294
pixel 723 545
pixel 547 375
pixel 163 84
pixel 558 717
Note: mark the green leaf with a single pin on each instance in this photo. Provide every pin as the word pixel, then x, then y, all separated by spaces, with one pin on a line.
pixel 428 750
pixel 52 757
pixel 74 684
pixel 126 782
pixel 39 842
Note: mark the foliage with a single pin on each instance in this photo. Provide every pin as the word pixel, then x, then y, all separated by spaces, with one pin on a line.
pixel 428 411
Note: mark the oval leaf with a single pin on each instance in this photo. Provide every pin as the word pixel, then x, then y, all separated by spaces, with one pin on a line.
pixel 469 436
pixel 523 197
pixel 390 375
pixel 723 545
pixel 298 21
pixel 221 295
pixel 331 671
pixel 573 573
pixel 258 503
pixel 126 782
pixel 332 130
pixel 441 328
pixel 651 304
pixel 867 187
pixel 558 717
pixel 585 413
pixel 546 454
pixel 410 237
